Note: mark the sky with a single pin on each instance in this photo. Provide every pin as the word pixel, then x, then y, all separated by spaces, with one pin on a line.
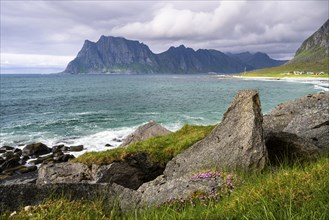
pixel 44 36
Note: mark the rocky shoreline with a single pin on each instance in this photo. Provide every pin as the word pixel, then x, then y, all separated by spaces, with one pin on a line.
pixel 245 139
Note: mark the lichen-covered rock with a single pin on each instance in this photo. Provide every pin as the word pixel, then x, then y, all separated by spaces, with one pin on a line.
pixel 160 190
pixel 64 173
pixel 33 194
pixel 237 142
pixel 151 129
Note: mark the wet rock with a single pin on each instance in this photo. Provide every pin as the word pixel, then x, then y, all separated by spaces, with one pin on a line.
pixel 10 163
pixel 58 148
pixel 108 145
pixel 40 160
pixel 149 130
pixel 36 149
pixel 1 160
pixel 116 140
pixel 63 158
pixel 6 148
pixel 18 152
pixel 25 178
pixel 76 148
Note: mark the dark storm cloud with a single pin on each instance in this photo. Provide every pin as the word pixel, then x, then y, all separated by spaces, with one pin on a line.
pixel 32 29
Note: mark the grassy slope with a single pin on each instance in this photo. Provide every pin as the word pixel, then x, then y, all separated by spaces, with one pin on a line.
pixel 299 191
pixel 310 61
pixel 161 149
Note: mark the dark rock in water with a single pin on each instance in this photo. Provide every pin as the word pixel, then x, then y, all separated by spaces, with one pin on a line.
pixel 149 130
pixel 6 148
pixel 1 160
pixel 10 163
pixel 116 140
pixel 76 148
pixel 8 155
pixel 60 157
pixel 18 152
pixel 60 147
pixel 19 195
pixel 36 149
pixel 64 173
pixel 131 173
pixel 108 145
pixel 306 117
pixel 25 178
pixel 287 147
pixel 237 142
pixel 58 154
pixel 41 160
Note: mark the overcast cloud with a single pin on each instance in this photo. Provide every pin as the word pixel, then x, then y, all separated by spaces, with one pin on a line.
pixel 43 36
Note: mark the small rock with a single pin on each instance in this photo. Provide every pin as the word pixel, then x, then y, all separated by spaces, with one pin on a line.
pixel 76 148
pixel 13 214
pixel 108 145
pixel 65 158
pixel 149 130
pixel 41 159
pixel 6 148
pixel 28 208
pixel 11 163
pixel 57 148
pixel 8 155
pixel 36 149
pixel 116 140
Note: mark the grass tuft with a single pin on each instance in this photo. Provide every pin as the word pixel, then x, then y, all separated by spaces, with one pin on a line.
pixel 160 149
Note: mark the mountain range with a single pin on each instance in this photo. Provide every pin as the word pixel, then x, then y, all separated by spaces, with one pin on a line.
pixel 119 55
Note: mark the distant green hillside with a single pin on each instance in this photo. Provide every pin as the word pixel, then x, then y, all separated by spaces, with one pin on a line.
pixel 312 57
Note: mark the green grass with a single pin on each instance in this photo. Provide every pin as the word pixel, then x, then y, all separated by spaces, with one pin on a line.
pixel 321 65
pixel 160 149
pixel 298 191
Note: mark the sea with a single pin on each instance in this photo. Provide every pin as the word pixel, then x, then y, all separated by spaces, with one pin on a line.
pixel 95 110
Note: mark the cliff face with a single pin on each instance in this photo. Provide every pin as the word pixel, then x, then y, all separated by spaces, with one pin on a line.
pixel 119 55
pixel 113 54
pixel 314 48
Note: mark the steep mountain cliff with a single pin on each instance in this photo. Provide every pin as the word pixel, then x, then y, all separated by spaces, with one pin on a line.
pixel 314 48
pixel 119 55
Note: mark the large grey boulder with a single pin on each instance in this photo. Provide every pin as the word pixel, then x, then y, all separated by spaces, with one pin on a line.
pixel 64 173
pixel 149 130
pixel 287 147
pixel 307 117
pixel 237 142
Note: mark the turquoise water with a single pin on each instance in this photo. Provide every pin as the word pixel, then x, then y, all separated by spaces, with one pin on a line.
pixel 94 109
